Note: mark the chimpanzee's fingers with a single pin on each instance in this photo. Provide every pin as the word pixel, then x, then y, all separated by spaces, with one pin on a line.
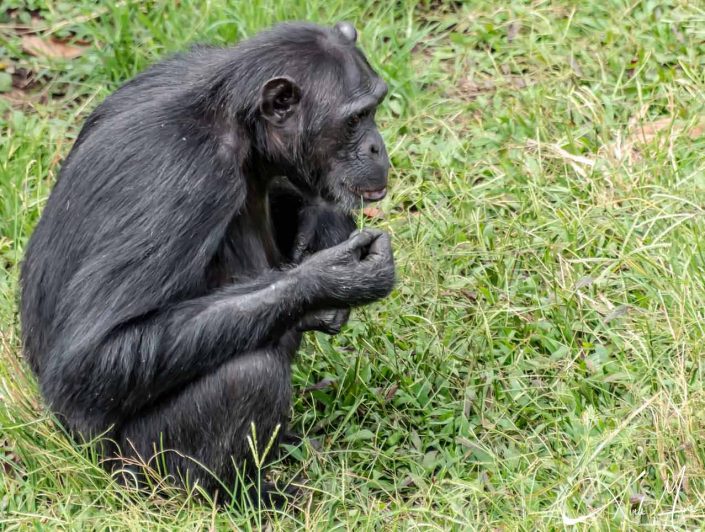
pixel 381 247
pixel 361 240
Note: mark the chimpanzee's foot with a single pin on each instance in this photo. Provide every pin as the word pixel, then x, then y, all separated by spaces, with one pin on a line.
pixel 325 321
pixel 271 496
pixel 291 438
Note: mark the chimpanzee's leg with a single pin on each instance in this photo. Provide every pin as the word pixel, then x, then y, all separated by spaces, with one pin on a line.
pixel 200 433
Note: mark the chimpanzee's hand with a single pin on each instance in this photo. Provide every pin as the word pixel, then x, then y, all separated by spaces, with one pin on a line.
pixel 356 272
pixel 329 321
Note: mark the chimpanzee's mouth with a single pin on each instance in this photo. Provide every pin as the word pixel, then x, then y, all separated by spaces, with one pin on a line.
pixel 372 195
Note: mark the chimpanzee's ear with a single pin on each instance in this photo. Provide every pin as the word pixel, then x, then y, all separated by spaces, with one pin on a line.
pixel 279 99
pixel 346 32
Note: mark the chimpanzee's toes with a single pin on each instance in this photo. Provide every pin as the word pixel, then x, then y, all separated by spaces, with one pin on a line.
pixel 292 438
pixel 273 497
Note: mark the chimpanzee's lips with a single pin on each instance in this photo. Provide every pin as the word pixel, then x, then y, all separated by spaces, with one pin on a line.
pixel 373 195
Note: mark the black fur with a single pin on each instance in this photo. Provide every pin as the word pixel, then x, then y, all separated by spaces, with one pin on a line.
pixel 166 285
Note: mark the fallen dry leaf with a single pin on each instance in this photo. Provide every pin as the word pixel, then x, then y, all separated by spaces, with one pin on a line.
pixel 513 31
pixel 23 79
pixel 320 385
pixel 617 312
pixel 408 481
pixel 647 132
pixel 467 294
pixel 664 131
pixel 470 89
pixel 637 499
pixel 50 48
pixel 373 212
pixel 391 392
pixel 17 98
pixel 581 165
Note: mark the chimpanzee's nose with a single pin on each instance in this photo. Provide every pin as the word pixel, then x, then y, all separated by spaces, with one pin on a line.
pixel 374 148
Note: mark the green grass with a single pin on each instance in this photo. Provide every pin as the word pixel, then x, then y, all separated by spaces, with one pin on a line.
pixel 540 363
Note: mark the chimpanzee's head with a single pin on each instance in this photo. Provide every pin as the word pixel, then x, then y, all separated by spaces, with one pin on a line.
pixel 321 116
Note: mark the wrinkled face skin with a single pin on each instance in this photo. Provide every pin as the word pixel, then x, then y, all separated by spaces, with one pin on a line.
pixel 355 172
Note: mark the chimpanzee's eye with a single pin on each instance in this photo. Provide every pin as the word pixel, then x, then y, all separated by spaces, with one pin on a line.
pixel 355 119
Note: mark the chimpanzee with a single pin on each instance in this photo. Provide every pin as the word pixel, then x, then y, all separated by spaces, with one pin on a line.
pixel 201 221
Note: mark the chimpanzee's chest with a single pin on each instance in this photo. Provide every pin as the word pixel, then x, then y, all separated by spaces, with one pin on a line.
pixel 247 250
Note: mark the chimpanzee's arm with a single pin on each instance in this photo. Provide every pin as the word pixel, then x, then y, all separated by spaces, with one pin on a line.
pixel 303 226
pixel 142 359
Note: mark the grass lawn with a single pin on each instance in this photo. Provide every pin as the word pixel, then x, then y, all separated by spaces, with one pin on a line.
pixel 540 363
